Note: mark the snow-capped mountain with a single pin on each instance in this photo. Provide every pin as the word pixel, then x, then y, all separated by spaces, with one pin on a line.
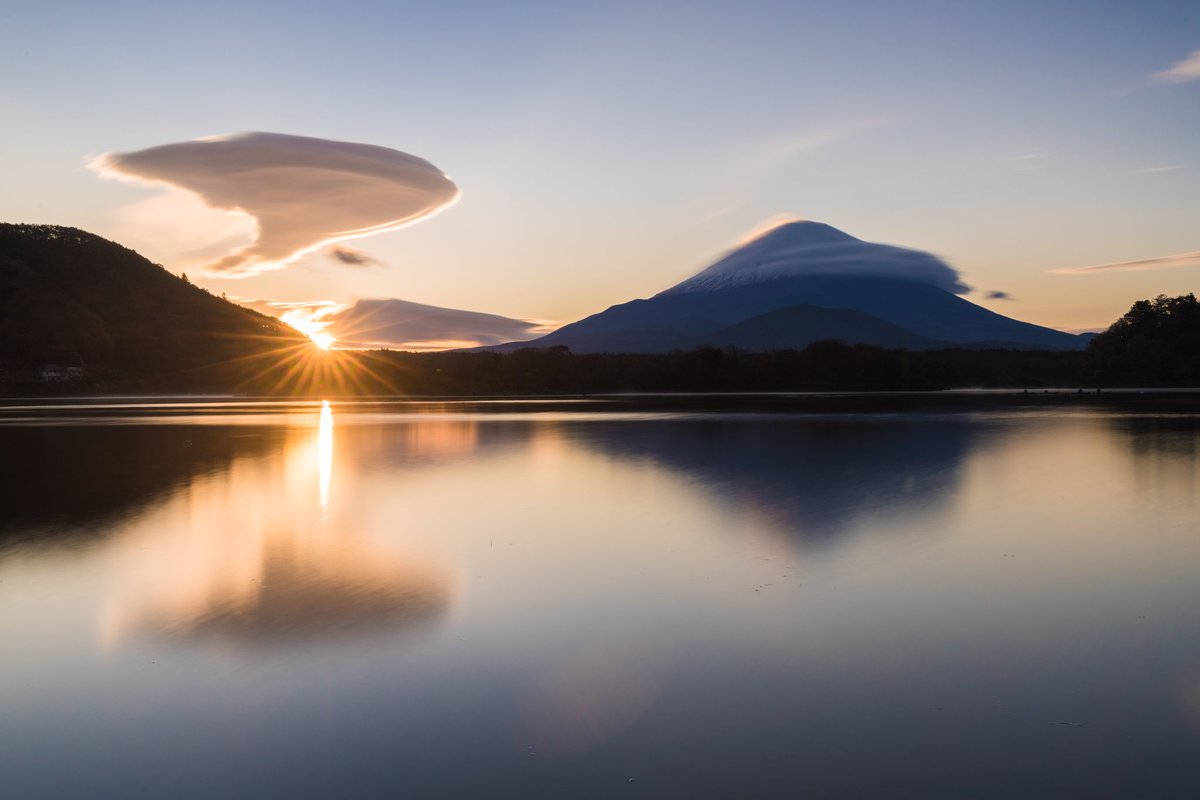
pixel 807 281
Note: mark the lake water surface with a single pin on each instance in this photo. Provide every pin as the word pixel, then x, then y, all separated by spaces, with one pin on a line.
pixel 438 600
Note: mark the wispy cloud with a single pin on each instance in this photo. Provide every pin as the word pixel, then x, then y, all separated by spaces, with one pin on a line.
pixel 1028 160
pixel 310 317
pixel 303 193
pixel 776 152
pixel 178 228
pixel 1187 69
pixel 996 294
pixel 1153 170
pixel 742 173
pixel 275 307
pixel 1177 261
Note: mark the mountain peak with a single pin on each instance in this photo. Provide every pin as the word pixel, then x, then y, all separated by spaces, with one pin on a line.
pixel 795 232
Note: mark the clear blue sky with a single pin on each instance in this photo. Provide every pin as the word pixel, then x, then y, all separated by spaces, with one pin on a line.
pixel 607 150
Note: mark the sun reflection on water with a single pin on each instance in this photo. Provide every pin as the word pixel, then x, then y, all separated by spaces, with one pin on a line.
pixel 219 563
pixel 325 452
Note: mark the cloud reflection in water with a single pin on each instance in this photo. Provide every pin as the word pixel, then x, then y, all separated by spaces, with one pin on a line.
pixel 230 566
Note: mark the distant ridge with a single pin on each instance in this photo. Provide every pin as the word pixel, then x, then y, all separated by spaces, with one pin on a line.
pixel 74 299
pixel 807 264
pixel 801 325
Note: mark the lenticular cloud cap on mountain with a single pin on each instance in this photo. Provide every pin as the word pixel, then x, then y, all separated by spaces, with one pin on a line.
pixel 798 247
pixel 303 192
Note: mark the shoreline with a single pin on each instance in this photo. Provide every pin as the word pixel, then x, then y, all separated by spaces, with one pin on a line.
pixel 1147 400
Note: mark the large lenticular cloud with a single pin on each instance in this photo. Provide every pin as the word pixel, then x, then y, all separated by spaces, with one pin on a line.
pixel 303 192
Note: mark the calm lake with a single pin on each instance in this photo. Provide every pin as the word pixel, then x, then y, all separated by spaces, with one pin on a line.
pixel 441 600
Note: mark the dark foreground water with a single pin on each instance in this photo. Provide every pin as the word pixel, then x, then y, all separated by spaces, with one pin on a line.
pixel 431 600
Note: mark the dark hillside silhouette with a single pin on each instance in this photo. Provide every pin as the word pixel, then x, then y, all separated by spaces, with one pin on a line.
pixel 74 299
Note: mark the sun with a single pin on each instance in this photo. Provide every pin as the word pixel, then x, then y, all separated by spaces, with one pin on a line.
pixel 312 324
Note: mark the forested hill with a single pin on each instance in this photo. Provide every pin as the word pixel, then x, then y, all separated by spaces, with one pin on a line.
pixel 74 299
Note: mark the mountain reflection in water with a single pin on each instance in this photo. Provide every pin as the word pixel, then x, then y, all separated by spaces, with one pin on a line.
pixel 812 478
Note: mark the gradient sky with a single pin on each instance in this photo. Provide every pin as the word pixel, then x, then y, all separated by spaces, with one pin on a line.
pixel 606 151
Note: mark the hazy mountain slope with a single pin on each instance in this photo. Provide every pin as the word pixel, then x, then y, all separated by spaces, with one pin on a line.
pixel 923 310
pixel 798 326
pixel 72 298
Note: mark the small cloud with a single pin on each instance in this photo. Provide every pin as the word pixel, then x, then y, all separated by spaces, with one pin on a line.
pixel 1187 69
pixel 352 257
pixel 996 294
pixel 302 193
pixel 1177 261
